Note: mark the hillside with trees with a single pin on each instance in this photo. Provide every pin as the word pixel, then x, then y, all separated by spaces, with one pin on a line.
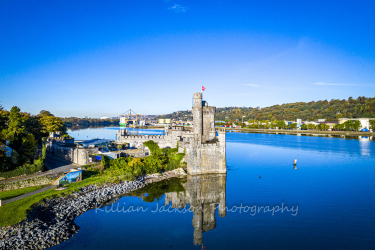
pixel 307 111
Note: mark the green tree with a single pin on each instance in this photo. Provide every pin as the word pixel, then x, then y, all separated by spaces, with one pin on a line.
pixel 13 133
pixel 349 125
pixel 322 126
pixel 3 122
pixel 273 124
pixel 3 119
pixel 372 125
pixel 33 126
pixel 356 125
pixel 338 127
pixel 281 124
pixel 44 113
pixel 311 126
pixel 304 126
pixel 28 146
pixel 51 124
pixel 293 126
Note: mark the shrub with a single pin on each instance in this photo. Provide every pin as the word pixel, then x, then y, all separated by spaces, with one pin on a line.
pixel 106 161
pixel 130 168
pixel 26 169
pixel 153 147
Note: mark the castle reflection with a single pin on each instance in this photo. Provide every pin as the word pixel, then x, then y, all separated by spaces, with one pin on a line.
pixel 204 194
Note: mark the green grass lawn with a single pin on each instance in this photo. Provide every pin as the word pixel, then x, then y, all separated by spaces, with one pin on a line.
pixel 14 193
pixel 16 211
pixel 110 171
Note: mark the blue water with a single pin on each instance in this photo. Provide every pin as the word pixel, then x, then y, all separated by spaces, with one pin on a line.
pixel 330 196
pixel 109 132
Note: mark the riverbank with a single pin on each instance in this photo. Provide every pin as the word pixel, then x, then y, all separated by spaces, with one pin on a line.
pixel 290 131
pixel 52 222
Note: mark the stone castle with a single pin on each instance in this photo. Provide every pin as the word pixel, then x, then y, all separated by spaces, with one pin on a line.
pixel 204 146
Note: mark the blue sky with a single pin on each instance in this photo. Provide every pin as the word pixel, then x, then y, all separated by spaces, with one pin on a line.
pixel 100 58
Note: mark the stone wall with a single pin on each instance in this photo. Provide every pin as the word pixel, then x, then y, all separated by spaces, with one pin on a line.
pixel 208 122
pixel 70 153
pixel 136 140
pixel 208 157
pixel 140 152
pixel 36 181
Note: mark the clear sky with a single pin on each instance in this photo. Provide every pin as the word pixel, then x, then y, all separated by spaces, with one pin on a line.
pixel 100 58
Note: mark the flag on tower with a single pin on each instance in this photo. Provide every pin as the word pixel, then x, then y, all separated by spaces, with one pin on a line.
pixel 203 88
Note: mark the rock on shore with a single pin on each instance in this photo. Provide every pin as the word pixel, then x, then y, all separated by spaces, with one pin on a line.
pixel 52 223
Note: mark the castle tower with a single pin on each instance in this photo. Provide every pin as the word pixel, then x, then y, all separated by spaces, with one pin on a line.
pixel 208 122
pixel 197 113
pixel 222 163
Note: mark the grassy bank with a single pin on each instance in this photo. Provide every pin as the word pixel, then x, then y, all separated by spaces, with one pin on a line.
pixel 16 211
pixel 6 195
pixel 108 172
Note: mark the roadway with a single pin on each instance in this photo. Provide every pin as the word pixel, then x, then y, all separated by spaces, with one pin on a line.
pixel 59 165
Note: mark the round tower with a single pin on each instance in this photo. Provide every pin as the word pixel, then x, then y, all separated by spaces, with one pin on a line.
pixel 197 113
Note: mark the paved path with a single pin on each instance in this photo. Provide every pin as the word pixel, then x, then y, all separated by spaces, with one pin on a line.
pixel 59 165
pixel 52 163
pixel 28 194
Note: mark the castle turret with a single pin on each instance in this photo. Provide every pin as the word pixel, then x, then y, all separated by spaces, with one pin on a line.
pixel 197 114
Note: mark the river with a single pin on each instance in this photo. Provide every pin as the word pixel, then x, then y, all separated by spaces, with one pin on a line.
pixel 326 202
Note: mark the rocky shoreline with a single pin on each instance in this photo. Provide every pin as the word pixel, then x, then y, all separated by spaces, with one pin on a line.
pixel 52 222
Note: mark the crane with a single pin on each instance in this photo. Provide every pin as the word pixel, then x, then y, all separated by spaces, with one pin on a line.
pixel 129 116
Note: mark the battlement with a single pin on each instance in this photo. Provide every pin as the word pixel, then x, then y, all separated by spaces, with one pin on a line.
pixel 61 140
pixel 197 95
pixel 144 137
pixel 178 128
pixel 211 144
pixel 209 109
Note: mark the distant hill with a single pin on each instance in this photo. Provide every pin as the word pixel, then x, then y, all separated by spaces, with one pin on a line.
pixel 311 111
pixel 86 122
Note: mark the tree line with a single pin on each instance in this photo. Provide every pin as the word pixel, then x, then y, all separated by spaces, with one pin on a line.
pixel 23 133
pixel 87 122
pixel 332 110
pixel 350 125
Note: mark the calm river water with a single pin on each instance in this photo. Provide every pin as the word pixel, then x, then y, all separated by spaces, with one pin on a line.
pixel 326 202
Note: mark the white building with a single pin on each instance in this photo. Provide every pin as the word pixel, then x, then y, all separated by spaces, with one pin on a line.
pixel 365 122
pixel 299 122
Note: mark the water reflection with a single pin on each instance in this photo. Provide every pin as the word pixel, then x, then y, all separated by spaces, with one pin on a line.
pixel 204 194
pixel 365 145
pixel 82 127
